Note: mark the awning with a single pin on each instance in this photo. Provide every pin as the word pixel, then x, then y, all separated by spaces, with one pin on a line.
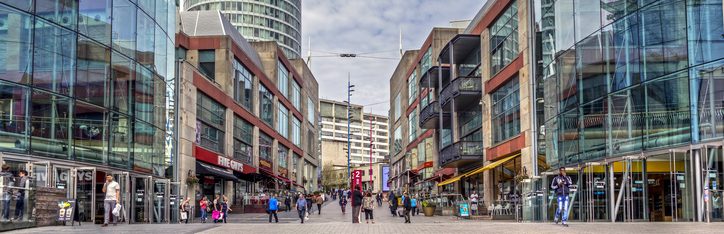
pixel 206 169
pixel 479 170
pixel 491 166
pixel 451 180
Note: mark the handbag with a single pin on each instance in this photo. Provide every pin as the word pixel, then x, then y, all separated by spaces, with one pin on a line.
pixel 215 214
pixel 116 210
pixel 184 215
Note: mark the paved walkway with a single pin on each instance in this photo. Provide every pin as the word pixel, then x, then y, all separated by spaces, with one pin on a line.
pixel 332 221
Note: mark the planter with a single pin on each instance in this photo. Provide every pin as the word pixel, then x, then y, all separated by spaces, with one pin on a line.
pixel 429 211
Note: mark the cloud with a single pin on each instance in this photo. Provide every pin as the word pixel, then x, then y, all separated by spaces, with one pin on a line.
pixel 370 28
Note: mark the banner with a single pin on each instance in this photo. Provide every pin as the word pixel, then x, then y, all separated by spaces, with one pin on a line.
pixel 385 178
pixel 65 210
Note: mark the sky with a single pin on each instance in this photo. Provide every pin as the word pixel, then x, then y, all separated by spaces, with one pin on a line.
pixel 370 28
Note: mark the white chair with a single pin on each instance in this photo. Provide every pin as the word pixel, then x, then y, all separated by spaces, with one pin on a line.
pixel 499 209
pixel 491 207
pixel 506 209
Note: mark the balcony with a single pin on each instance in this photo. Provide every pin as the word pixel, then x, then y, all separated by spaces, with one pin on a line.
pixel 430 114
pixel 463 91
pixel 461 153
pixel 431 78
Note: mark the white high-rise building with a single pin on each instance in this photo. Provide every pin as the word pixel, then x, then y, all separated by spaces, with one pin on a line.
pixel 334 135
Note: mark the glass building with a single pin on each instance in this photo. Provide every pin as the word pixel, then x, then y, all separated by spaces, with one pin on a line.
pixel 261 20
pixel 633 100
pixel 86 90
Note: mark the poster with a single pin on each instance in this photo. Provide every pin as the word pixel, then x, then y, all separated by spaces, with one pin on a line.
pixel 66 209
pixel 464 210
pixel 385 178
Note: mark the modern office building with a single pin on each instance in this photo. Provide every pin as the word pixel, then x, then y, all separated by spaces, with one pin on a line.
pixel 632 104
pixel 265 20
pixel 248 114
pixel 414 117
pixel 334 135
pixel 86 90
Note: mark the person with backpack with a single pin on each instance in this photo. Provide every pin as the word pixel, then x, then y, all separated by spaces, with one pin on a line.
pixel 561 185
pixel 273 207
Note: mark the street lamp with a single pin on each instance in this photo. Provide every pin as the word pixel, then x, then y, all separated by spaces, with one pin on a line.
pixel 349 123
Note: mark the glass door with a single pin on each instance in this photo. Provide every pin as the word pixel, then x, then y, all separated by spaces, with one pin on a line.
pixel 62 179
pixel 124 181
pixel 682 198
pixel 594 192
pixel 85 193
pixel 713 173
pixel 629 178
pixel 140 204
pixel 160 200
pixel 40 171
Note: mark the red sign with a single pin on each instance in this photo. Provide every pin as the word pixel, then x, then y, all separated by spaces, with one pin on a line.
pixel 208 156
pixel 356 178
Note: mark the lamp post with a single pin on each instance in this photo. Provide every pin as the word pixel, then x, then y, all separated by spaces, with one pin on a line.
pixel 349 123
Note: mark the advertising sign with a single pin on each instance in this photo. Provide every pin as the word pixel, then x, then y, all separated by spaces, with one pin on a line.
pixel 464 209
pixel 385 178
pixel 65 210
pixel 356 178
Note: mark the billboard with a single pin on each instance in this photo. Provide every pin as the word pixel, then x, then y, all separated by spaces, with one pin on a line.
pixel 385 178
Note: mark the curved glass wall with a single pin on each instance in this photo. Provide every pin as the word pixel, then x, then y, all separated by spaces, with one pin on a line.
pixel 625 76
pixel 261 20
pixel 88 80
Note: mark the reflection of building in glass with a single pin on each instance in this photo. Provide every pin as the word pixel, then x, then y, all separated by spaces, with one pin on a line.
pixel 278 20
pixel 86 89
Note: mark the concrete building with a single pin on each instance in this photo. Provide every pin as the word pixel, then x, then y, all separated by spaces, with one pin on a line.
pixel 248 114
pixel 267 20
pixel 414 116
pixel 363 136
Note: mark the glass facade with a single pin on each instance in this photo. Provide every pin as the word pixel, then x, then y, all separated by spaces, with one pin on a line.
pixel 78 84
pixel 243 140
pixel 266 105
pixel 412 88
pixel 505 114
pixel 283 121
pixel 621 80
pixel 504 39
pixel 265 20
pixel 282 79
pixel 243 82
pixel 211 118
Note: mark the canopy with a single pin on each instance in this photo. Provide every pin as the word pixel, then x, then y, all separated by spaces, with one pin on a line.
pixel 206 169
pixel 479 170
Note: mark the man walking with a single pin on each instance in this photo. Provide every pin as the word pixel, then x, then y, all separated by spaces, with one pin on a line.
pixel 113 195
pixel 356 205
pixel 301 207
pixel 273 207
pixel 407 204
pixel 393 204
pixel 413 203
pixel 561 185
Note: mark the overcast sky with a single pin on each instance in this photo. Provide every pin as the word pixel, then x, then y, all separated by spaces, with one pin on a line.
pixel 370 28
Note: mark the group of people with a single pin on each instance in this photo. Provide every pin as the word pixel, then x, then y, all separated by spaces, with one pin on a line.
pixel 408 203
pixel 303 205
pixel 10 194
pixel 219 208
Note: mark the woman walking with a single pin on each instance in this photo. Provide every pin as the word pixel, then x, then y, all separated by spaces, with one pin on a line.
pixel 204 204
pixel 185 210
pixel 343 203
pixel 216 215
pixel 224 208
pixel 368 204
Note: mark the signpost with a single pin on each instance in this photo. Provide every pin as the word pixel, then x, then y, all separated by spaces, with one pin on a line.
pixel 356 181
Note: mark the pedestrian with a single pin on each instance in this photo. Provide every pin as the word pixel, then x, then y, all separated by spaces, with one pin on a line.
pixel 356 205
pixel 272 208
pixel 113 193
pixel 393 204
pixel 407 205
pixel 301 207
pixel 561 185
pixel 204 204
pixel 225 208
pixel 288 202
pixel 216 215
pixel 6 193
pixel 319 201
pixel 413 204
pixel 185 210
pixel 343 203
pixel 368 204
pixel 474 202
pixel 379 199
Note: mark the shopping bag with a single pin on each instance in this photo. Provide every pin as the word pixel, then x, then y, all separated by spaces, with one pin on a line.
pixel 117 210
pixel 221 216
pixel 184 215
pixel 306 216
pixel 215 215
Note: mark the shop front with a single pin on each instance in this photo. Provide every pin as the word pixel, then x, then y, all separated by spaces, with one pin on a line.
pixel 673 185
pixel 220 175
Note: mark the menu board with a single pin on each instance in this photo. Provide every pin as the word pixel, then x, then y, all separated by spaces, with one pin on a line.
pixel 66 210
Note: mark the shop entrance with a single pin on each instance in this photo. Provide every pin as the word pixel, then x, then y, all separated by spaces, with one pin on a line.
pixel 160 200
pixel 122 179
pixel 140 205
pixel 551 204
pixel 594 192
pixel 713 173
pixel 628 190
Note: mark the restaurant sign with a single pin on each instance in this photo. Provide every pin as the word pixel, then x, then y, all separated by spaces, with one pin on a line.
pixel 212 158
